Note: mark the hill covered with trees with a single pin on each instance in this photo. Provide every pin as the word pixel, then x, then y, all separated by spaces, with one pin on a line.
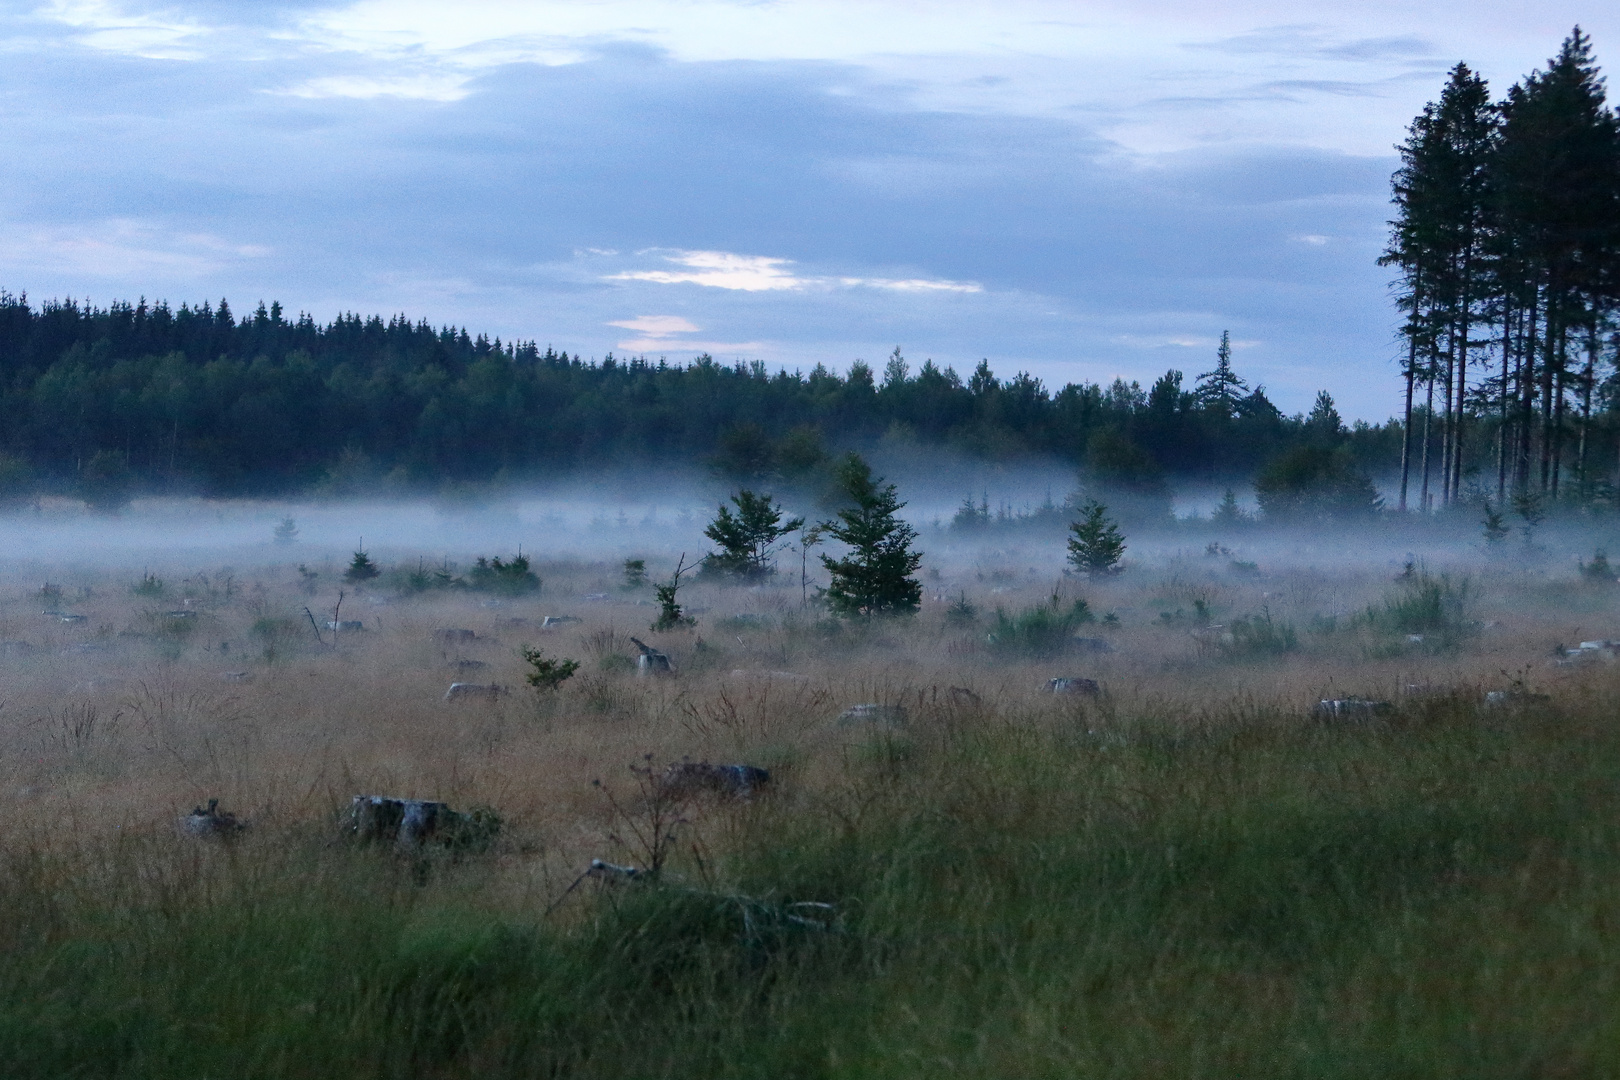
pixel 145 397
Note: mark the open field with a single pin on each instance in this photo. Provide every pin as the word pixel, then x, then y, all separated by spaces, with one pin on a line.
pixel 1188 875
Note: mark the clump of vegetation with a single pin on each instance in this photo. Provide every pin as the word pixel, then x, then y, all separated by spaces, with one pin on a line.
pixel 1527 504
pixel 286 532
pixel 1097 545
pixel 547 673
pixel 1435 606
pixel 670 614
pixel 1228 513
pixel 150 585
pixel 1258 635
pixel 1495 529
pixel 307 579
pixel 16 482
pixel 1315 483
pixel 635 574
pixel 473 831
pixel 427 578
pixel 875 577
pixel 361 568
pixel 1044 630
pixel 106 481
pixel 961 612
pixel 749 538
pixel 1598 571
pixel 503 578
pixel 277 634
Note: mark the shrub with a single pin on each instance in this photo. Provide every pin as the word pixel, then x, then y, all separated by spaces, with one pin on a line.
pixel 1259 635
pixel 548 674
pixel 635 574
pixel 105 482
pixel 1313 483
pixel 1434 605
pixel 1598 571
pixel 149 585
pixel 1043 630
pixel 505 578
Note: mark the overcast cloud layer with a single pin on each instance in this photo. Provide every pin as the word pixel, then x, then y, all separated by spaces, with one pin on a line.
pixel 1078 190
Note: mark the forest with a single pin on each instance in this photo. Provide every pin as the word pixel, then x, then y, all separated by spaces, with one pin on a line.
pixel 1507 245
pixel 102 401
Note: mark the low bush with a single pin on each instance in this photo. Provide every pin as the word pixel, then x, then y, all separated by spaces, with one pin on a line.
pixel 1044 630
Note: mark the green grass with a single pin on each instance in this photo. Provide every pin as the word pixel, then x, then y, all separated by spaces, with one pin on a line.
pixel 1230 895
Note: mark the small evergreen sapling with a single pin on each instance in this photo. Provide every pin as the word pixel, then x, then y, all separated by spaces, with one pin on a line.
pixel 361 568
pixel 286 532
pixel 635 574
pixel 548 674
pixel 670 615
pixel 1527 504
pixel 1495 530
pixel 1097 544
pixel 875 577
pixel 749 537
pixel 1228 512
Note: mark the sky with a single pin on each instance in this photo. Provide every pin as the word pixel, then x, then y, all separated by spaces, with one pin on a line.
pixel 1082 191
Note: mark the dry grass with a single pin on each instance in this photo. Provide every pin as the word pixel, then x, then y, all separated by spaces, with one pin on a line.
pixel 101 749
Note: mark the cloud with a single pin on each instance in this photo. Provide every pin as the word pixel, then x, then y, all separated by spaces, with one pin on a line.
pixel 122 248
pixel 657 325
pixel 720 270
pixel 423 87
pixel 660 337
pixel 764 273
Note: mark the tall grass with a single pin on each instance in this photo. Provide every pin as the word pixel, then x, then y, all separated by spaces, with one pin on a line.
pixel 1233 894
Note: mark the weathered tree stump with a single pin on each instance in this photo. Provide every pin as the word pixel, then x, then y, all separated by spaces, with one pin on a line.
pixel 1351 709
pixel 406 823
pixel 211 822
pixel 688 779
pixel 876 715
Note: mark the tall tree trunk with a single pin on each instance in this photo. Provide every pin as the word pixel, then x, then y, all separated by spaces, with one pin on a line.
pixel 1560 381
pixel 1447 439
pixel 1428 415
pixel 1527 387
pixel 1465 313
pixel 1549 336
pixel 1406 431
pixel 1508 321
pixel 1586 404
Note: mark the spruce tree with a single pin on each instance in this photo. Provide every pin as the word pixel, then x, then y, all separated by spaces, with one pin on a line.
pixel 874 578
pixel 1218 390
pixel 361 568
pixel 1097 544
pixel 749 537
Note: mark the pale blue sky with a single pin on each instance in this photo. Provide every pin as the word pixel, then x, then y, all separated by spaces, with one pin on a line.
pixel 1080 190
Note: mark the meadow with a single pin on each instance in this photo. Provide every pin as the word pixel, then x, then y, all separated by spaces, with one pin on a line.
pixel 1190 874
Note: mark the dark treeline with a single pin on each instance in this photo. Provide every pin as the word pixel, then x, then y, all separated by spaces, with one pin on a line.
pixel 139 397
pixel 1507 239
